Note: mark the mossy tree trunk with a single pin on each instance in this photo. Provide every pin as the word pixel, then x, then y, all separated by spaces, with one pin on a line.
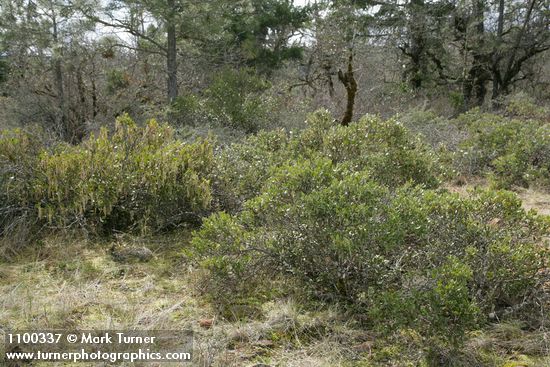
pixel 348 80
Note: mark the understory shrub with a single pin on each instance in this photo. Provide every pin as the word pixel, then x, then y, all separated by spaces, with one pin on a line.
pixel 404 255
pixel 135 178
pixel 386 148
pixel 512 152
pixel 510 147
pixel 19 152
pixel 236 99
pixel 437 131
pixel 520 105
pixel 242 168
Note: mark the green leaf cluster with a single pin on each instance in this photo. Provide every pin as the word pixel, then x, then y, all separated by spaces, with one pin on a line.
pixel 131 179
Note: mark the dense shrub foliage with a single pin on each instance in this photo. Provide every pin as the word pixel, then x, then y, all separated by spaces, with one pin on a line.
pixel 237 99
pixel 135 178
pixel 19 156
pixel 386 149
pixel 242 168
pixel 522 106
pixel 512 151
pixel 416 257
pixel 511 148
pixel 346 215
pixel 353 215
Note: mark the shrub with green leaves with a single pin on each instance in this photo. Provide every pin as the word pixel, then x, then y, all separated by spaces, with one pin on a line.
pixel 520 105
pixel 437 131
pixel 392 155
pixel 117 80
pixel 391 252
pixel 512 152
pixel 242 168
pixel 235 97
pixel 135 178
pixel 19 152
pixel 186 110
pixel 386 148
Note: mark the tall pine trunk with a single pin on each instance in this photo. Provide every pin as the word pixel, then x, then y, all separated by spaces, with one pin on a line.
pixel 474 87
pixel 61 115
pixel 171 53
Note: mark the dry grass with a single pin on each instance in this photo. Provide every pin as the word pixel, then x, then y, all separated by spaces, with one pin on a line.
pixel 535 199
pixel 74 284
pixel 78 286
